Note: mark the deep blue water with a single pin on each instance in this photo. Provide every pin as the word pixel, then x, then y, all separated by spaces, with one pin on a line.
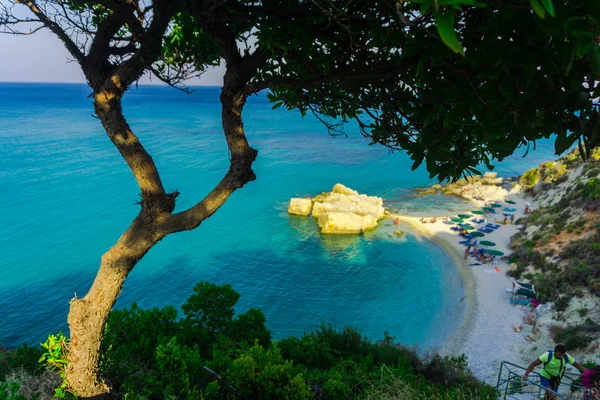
pixel 67 196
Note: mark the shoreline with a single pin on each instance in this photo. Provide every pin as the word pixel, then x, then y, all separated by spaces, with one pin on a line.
pixel 485 334
pixel 453 344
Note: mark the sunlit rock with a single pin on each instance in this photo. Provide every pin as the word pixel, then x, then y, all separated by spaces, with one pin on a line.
pixel 346 223
pixel 300 206
pixel 362 212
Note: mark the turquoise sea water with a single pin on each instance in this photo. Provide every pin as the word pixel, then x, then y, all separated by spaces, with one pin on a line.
pixel 67 196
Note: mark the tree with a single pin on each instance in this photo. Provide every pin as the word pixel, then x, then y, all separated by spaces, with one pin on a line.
pixel 115 42
pixel 453 83
pixel 493 76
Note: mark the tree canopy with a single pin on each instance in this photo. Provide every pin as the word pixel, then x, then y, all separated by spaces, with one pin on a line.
pixel 454 83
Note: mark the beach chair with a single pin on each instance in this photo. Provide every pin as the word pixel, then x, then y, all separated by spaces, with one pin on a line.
pixel 526 289
pixel 454 228
pixel 485 230
pixel 493 226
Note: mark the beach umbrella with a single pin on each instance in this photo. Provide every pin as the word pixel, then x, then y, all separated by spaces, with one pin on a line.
pixel 510 202
pixel 488 209
pixel 487 243
pixel 507 215
pixel 477 234
pixel 495 252
pixel 477 212
pixel 495 205
pixel 456 220
pixel 509 209
pixel 468 227
pixel 465 216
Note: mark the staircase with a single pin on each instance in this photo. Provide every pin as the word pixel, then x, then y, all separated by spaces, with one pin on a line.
pixel 510 385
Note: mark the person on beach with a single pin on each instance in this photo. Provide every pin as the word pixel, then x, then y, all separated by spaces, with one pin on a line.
pixel 467 251
pixel 512 219
pixel 555 362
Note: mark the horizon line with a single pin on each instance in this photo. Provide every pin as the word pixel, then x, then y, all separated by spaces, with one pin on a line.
pixel 85 83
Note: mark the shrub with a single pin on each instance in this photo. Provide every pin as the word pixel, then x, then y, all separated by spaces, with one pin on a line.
pixel 212 354
pixel 25 357
pixel 40 386
pixel 562 303
pixel 571 337
pixel 591 189
pixel 514 273
pixel 10 392
pixel 593 172
pixel 530 178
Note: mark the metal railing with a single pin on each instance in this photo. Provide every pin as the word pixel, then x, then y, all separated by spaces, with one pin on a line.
pixel 510 385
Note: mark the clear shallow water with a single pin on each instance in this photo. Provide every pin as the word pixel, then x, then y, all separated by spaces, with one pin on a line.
pixel 67 196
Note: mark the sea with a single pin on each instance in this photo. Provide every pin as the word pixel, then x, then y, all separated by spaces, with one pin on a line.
pixel 67 196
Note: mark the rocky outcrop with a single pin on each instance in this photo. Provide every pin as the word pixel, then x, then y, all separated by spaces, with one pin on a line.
pixel 342 211
pixel 300 206
pixel 346 223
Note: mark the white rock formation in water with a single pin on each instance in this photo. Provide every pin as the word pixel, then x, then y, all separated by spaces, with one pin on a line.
pixel 342 211
pixel 300 206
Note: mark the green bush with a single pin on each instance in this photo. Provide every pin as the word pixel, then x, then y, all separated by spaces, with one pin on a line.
pixel 11 392
pixel 212 353
pixel 591 190
pixel 530 178
pixel 571 337
pixel 26 357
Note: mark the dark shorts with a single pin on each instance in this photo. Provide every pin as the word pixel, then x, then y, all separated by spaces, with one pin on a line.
pixel 546 383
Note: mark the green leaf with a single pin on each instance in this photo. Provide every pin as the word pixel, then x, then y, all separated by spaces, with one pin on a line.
pixel 548 6
pixel 594 57
pixel 445 26
pixel 537 8
pixel 573 23
pixel 418 160
pixel 563 142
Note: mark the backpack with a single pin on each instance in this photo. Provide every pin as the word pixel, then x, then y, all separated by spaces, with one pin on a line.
pixel 587 377
pixel 566 359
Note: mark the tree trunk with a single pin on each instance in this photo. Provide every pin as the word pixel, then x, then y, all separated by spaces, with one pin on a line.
pixel 233 98
pixel 88 315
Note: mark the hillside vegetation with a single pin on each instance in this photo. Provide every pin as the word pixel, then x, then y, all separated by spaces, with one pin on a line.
pixel 559 248
pixel 212 353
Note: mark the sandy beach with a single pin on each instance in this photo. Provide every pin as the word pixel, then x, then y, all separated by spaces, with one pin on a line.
pixel 486 334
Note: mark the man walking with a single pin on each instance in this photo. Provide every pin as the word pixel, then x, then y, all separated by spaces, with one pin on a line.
pixel 555 362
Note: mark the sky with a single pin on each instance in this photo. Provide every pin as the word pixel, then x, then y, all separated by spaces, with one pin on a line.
pixel 43 58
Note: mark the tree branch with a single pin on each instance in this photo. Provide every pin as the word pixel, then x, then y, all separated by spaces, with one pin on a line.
pixel 56 29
